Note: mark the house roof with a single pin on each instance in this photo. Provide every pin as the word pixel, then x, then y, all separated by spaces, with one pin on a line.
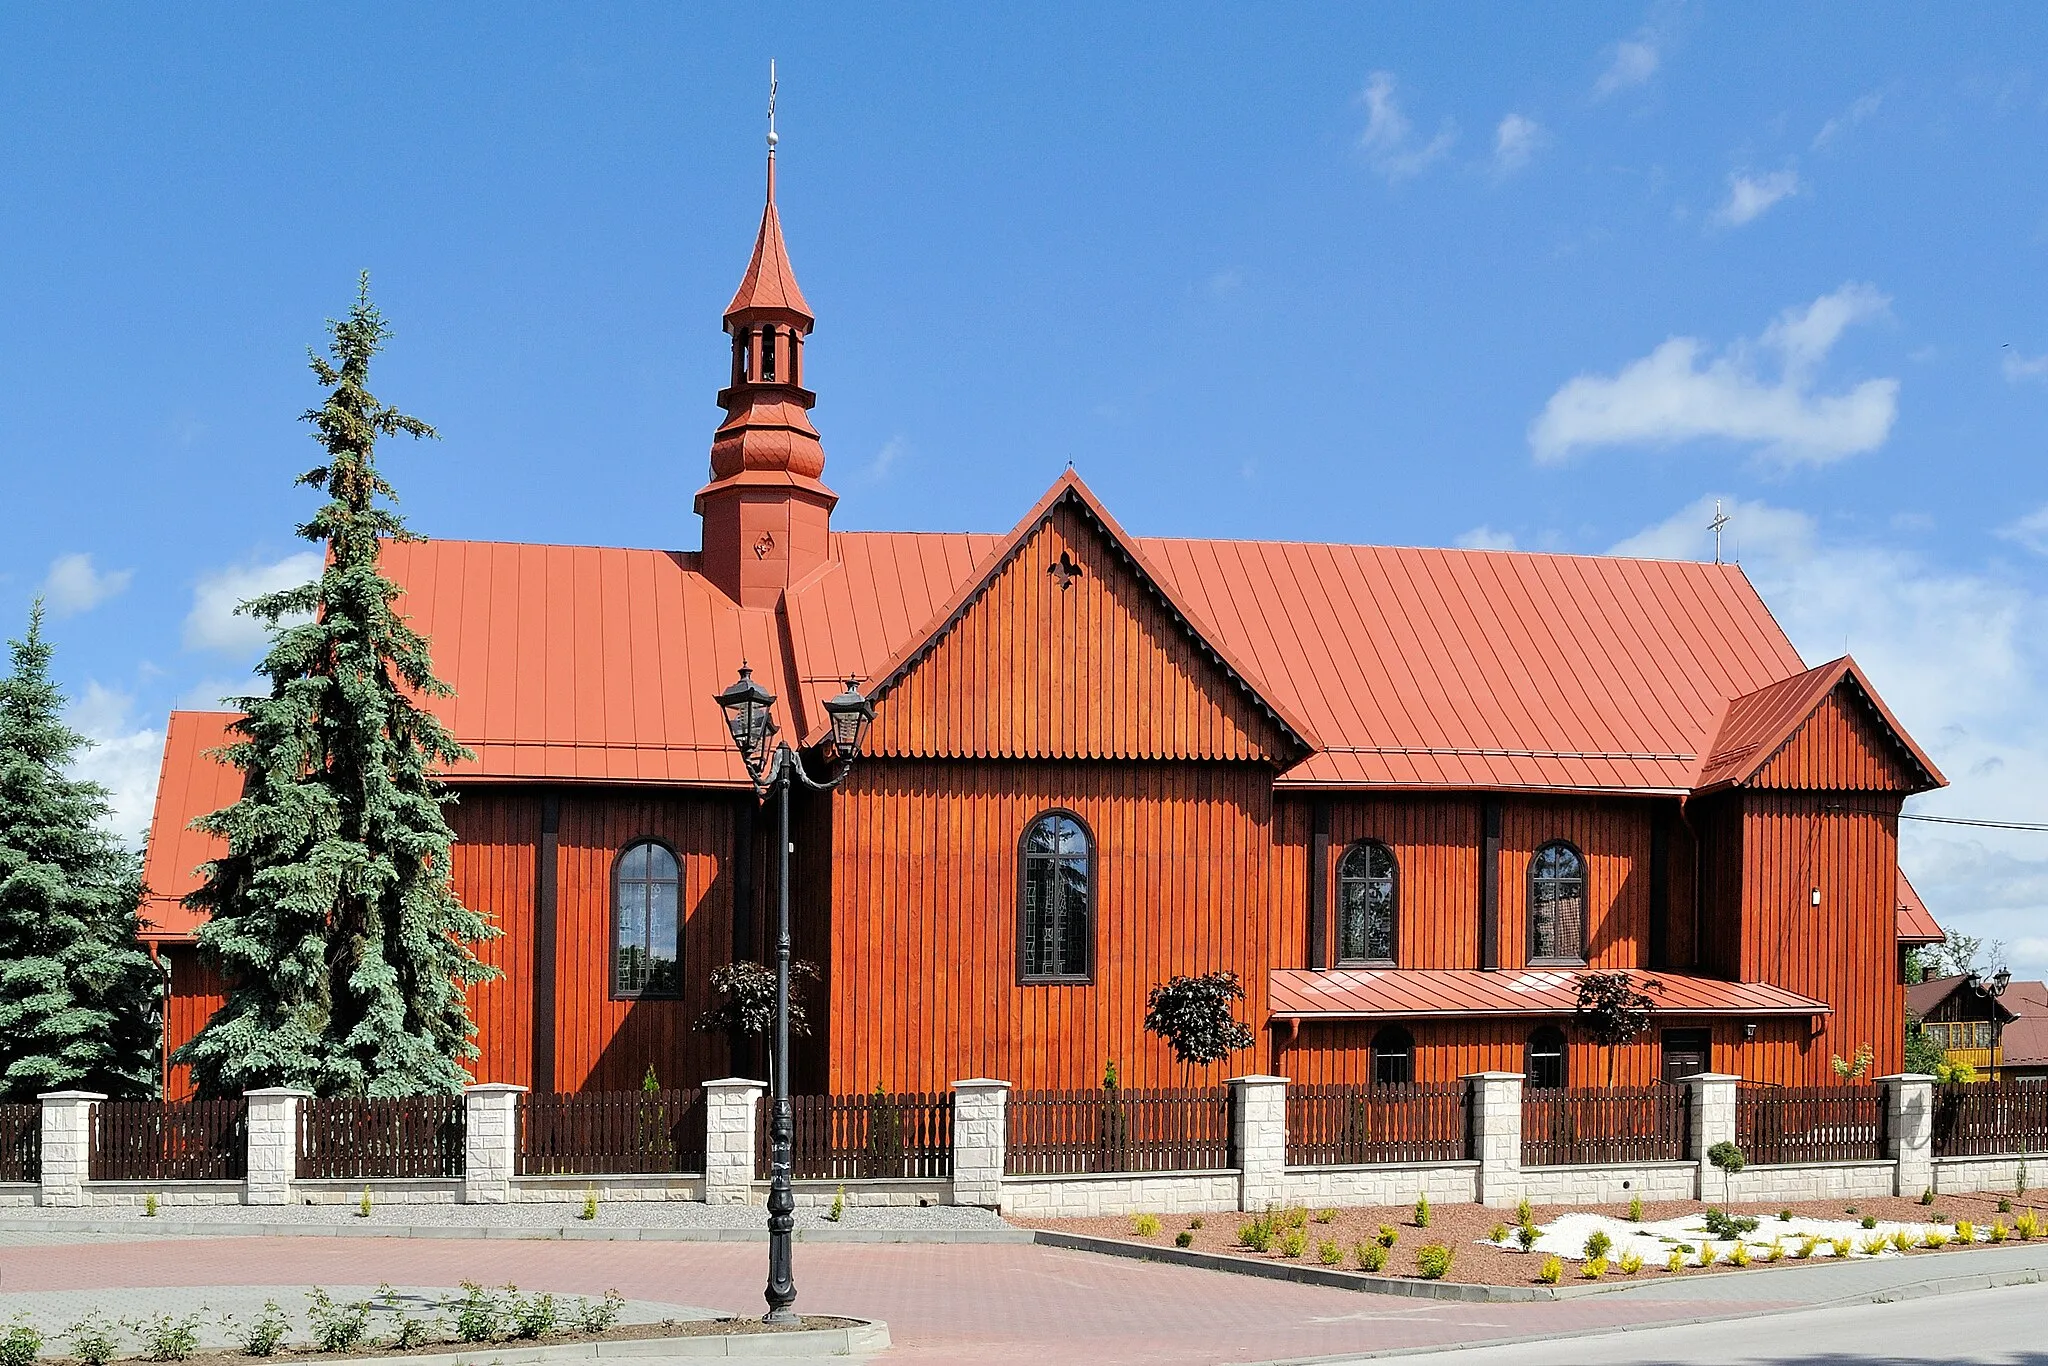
pixel 1414 993
pixel 2023 1041
pixel 190 786
pixel 1916 923
pixel 1756 725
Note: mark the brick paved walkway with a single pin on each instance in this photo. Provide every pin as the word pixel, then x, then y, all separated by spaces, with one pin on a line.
pixel 1003 1303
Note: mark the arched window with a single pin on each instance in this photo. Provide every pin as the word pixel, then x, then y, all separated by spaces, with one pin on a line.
pixel 1057 903
pixel 1393 1057
pixel 1365 904
pixel 1544 1068
pixel 1557 904
pixel 646 937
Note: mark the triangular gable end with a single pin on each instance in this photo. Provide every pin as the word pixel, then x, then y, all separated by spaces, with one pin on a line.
pixel 1064 645
pixel 1836 736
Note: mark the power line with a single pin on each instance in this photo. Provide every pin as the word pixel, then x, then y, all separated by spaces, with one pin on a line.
pixel 1981 825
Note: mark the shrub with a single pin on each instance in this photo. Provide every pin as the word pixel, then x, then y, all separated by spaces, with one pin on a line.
pixel 1184 1238
pixel 1527 1235
pixel 363 1205
pixel 1635 1209
pixel 149 1206
pixel 1598 1243
pixel 1630 1264
pixel 1499 1236
pixel 1325 1216
pixel 596 1318
pixel 411 1332
pixel 1966 1232
pixel 170 1338
pixel 1776 1251
pixel 1998 1231
pixel 1388 1235
pixel 2026 1224
pixel 1196 1222
pixel 1552 1270
pixel 1739 1255
pixel 1293 1243
pixel 1371 1256
pixel 1874 1244
pixel 22 1343
pixel 1927 1196
pixel 1329 1254
pixel 1422 1212
pixel 589 1204
pixel 1870 1221
pixel 1522 1211
pixel 1293 1216
pixel 1901 1239
pixel 1805 1248
pixel 94 1339
pixel 1255 1235
pixel 1706 1254
pixel 533 1316
pixel 266 1334
pixel 1433 1261
pixel 1144 1225
pixel 1675 1262
pixel 1933 1239
pixel 1722 1224
pixel 1727 1157
pixel 2005 1204
pixel 479 1314
pixel 336 1327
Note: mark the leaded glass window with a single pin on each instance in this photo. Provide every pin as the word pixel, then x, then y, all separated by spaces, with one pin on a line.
pixel 1057 900
pixel 1557 904
pixel 646 938
pixel 1365 904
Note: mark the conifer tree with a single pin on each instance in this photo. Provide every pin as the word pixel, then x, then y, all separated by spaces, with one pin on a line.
pixel 77 991
pixel 332 912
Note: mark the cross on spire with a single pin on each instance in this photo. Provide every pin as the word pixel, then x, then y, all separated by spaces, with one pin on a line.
pixel 1716 526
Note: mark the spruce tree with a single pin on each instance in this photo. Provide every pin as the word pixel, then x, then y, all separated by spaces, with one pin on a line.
pixel 77 991
pixel 332 912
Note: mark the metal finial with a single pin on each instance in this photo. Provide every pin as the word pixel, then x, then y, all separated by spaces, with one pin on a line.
pixel 772 139
pixel 1716 526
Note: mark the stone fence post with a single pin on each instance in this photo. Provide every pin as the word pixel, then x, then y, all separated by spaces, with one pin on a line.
pixel 1258 1130
pixel 1495 1101
pixel 273 1144
pixel 980 1136
pixel 1909 1129
pixel 1713 1121
pixel 490 1142
pixel 730 1105
pixel 67 1146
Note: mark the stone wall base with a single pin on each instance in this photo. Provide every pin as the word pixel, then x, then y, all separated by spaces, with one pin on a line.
pixel 1396 1183
pixel 1953 1175
pixel 1813 1181
pixel 1083 1197
pixel 1610 1185
pixel 646 1187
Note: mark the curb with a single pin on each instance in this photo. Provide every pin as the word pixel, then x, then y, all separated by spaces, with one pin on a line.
pixel 540 1233
pixel 865 1336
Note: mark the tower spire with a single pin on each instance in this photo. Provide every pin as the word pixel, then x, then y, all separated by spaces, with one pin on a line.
pixel 766 511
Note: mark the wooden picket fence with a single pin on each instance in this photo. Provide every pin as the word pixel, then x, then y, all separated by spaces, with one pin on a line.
pixel 1986 1119
pixel 1619 1124
pixel 845 1138
pixel 1060 1133
pixel 357 1138
pixel 1330 1126
pixel 149 1140
pixel 600 1133
pixel 1780 1124
pixel 21 1142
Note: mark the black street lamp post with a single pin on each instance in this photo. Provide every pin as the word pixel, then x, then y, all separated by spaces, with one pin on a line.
pixel 748 707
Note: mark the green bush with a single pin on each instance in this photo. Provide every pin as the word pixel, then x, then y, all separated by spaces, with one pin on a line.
pixel 1293 1243
pixel 150 1205
pixel 533 1316
pixel 1721 1224
pixel 1776 1251
pixel 1422 1214
pixel 1371 1256
pixel 2005 1204
pixel 1255 1234
pixel 1805 1248
pixel 1635 1209
pixel 1552 1270
pixel 1675 1262
pixel 1325 1216
pixel 1499 1234
pixel 1927 1196
pixel 1739 1255
pixel 1630 1264
pixel 1727 1157
pixel 1522 1211
pixel 1526 1235
pixel 1784 1216
pixel 1145 1225
pixel 1966 1232
pixel 1195 1222
pixel 1433 1261
pixel 94 1339
pixel 1870 1221
pixel 336 1327
pixel 590 1204
pixel 1598 1244
pixel 599 1316
pixel 167 1337
pixel 479 1314
pixel 1388 1235
pixel 1998 1231
pixel 2026 1224
pixel 22 1343
pixel 265 1334
pixel 1329 1254
pixel 1593 1268
pixel 1184 1238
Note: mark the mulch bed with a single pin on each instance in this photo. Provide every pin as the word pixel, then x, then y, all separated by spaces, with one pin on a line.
pixel 1462 1227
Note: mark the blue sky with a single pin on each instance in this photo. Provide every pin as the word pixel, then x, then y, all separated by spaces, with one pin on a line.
pixel 1485 275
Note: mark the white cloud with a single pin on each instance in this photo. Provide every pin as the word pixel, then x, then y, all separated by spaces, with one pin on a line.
pixel 213 624
pixel 2018 368
pixel 1630 63
pixel 1485 538
pixel 1389 139
pixel 886 459
pixel 2030 531
pixel 124 758
pixel 1751 196
pixel 1679 393
pixel 1960 656
pixel 1515 141
pixel 73 585
pixel 1864 108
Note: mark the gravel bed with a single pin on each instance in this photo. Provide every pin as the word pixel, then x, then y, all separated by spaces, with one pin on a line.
pixel 657 1214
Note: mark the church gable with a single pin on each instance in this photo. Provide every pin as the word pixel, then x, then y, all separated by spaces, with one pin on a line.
pixel 1069 651
pixel 1844 744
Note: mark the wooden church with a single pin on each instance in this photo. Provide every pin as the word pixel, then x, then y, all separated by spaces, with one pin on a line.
pixel 1406 794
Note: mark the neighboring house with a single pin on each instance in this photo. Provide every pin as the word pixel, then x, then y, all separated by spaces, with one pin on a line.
pixel 2003 1037
pixel 1406 794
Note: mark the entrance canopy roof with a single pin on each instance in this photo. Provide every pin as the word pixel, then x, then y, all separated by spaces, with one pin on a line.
pixel 1416 993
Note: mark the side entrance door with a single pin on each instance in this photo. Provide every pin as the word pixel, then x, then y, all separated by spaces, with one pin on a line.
pixel 1686 1053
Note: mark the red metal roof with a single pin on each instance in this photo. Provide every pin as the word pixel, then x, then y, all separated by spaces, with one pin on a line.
pixel 1414 993
pixel 770 283
pixel 1757 724
pixel 1916 923
pixel 190 786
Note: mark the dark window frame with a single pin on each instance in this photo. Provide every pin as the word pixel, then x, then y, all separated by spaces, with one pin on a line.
pixel 1085 977
pixel 623 993
pixel 1393 1041
pixel 1585 881
pixel 1364 848
pixel 1546 1034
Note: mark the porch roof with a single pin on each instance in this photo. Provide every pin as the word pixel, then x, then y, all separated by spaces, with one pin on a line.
pixel 1417 993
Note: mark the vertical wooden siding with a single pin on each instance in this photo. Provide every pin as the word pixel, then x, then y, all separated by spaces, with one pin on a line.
pixel 1842 747
pixel 1614 836
pixel 1098 669
pixel 496 833
pixel 197 990
pixel 924 919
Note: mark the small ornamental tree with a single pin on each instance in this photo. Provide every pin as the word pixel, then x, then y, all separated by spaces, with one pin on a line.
pixel 1197 1017
pixel 77 991
pixel 746 999
pixel 1612 1010
pixel 332 912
